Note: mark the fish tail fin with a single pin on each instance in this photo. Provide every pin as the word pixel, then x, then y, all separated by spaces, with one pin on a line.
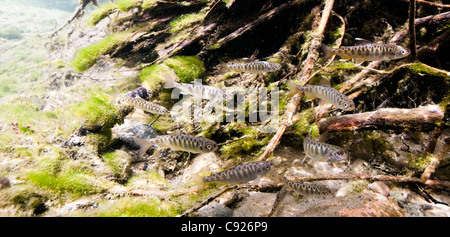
pixel 170 79
pixel 197 179
pixel 116 93
pixel 327 52
pixel 222 67
pixel 143 144
pixel 293 88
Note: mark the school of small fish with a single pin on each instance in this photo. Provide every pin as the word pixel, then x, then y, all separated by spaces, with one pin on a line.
pixel 314 149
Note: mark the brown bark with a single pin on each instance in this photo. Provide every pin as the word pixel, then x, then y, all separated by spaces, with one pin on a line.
pixel 412 28
pixel 423 118
pixel 372 178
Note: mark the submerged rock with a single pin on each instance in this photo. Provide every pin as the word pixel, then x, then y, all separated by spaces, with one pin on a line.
pixel 215 209
pixel 128 131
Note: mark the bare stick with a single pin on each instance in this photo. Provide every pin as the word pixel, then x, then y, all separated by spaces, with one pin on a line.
pixel 372 178
pixel 252 24
pixel 412 28
pixel 436 159
pixel 423 118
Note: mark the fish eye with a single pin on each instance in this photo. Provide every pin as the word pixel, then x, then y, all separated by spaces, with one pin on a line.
pixel 340 153
pixel 402 51
pixel 209 147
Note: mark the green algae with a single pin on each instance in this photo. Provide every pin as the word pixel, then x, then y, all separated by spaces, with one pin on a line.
pixel 119 163
pixel 306 124
pixel 99 141
pixel 86 57
pixel 246 146
pixel 97 112
pixel 76 183
pixel 152 77
pixel 421 68
pixel 101 12
pixel 126 5
pixel 148 4
pixel 25 199
pixel 188 68
pixel 185 21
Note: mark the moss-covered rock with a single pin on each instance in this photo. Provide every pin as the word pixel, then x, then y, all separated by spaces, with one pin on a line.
pixel 101 12
pixel 185 21
pixel 250 144
pixel 75 183
pixel 152 77
pixel 97 112
pixel 27 200
pixel 188 68
pixel 126 5
pixel 99 141
pixel 119 162
pixel 86 57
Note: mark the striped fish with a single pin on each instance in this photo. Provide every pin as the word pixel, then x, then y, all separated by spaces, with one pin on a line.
pixel 236 175
pixel 179 142
pixel 204 92
pixel 302 187
pixel 329 94
pixel 366 51
pixel 142 104
pixel 253 67
pixel 320 151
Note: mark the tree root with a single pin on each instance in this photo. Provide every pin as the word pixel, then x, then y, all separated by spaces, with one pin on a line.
pixel 423 118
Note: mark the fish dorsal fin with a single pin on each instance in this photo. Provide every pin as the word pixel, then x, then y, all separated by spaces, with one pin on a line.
pixel 247 60
pixel 322 137
pixel 323 81
pixel 361 41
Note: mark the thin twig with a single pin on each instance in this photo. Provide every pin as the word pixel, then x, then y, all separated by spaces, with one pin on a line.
pixel 252 24
pixel 412 28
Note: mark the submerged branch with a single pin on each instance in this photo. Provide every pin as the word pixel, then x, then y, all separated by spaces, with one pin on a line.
pixel 75 15
pixel 423 118
pixel 249 26
pixel 412 28
pixel 372 178
pixel 436 159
